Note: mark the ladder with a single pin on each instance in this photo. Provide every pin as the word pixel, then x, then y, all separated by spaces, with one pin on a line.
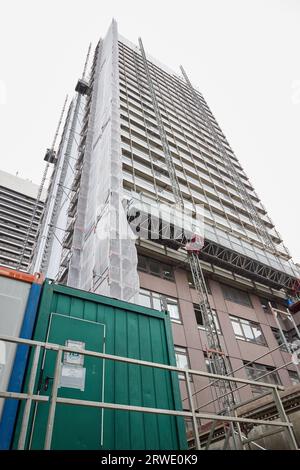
pixel 60 189
pixel 245 197
pixel 223 389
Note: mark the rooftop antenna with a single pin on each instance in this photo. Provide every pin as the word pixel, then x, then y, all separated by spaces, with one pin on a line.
pixel 50 157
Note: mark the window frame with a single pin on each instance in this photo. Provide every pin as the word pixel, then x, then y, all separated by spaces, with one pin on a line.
pixel 249 324
pixel 255 366
pixel 182 351
pixel 226 288
pixel 293 377
pixel 201 326
pixel 210 369
pixel 277 336
pixel 163 299
pixel 160 264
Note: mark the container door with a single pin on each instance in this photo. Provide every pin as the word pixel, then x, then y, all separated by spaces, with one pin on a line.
pixel 82 377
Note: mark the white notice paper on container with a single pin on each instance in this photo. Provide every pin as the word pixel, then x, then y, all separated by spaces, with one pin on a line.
pixel 72 371
pixel 72 377
pixel 74 357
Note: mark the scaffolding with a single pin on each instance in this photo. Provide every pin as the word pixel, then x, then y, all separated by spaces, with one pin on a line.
pixel 245 197
pixel 286 315
pixel 58 193
pixel 39 262
pixel 50 158
pixel 31 396
pixel 214 431
pixel 215 353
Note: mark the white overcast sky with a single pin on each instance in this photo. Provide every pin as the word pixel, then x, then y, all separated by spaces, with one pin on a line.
pixel 243 55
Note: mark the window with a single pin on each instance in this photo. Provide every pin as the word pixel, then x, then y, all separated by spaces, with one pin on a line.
pixel 182 360
pixel 167 271
pixel 294 377
pixel 156 268
pixel 247 330
pixel 142 263
pixel 200 320
pixel 235 295
pixel 160 302
pixel 257 372
pixel 279 338
pixel 293 336
pixel 172 307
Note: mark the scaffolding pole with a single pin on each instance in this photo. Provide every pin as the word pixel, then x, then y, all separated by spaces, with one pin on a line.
pixel 50 152
pixel 31 396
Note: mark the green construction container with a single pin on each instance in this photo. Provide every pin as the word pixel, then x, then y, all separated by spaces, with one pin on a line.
pixel 67 316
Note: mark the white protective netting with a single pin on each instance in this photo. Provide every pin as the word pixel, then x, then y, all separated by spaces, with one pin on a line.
pixel 104 258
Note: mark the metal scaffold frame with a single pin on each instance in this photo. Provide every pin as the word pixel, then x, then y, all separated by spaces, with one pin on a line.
pixel 39 257
pixel 60 189
pixel 52 159
pixel 82 88
pixel 30 396
pixel 287 315
pixel 215 352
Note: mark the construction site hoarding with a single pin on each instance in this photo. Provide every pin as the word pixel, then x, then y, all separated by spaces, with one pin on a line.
pixel 87 321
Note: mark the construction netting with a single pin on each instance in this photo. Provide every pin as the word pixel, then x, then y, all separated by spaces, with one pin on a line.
pixel 104 257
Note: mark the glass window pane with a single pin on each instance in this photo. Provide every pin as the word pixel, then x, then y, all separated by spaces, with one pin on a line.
pixel 258 335
pixel 173 311
pixel 167 272
pixel 157 303
pixel 154 268
pixel 216 320
pixel 181 360
pixel 235 295
pixel 144 292
pixel 198 315
pixel 248 332
pixel 237 328
pixel 294 377
pixel 257 372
